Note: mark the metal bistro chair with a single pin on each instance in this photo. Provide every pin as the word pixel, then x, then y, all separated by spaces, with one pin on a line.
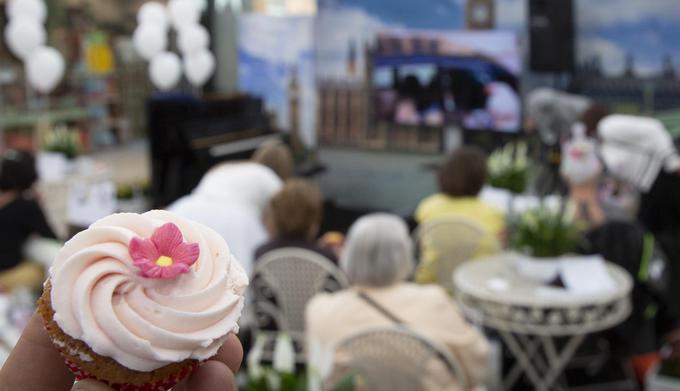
pixel 455 240
pixel 395 359
pixel 284 281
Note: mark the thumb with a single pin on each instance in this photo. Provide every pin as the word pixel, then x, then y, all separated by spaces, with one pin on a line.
pixel 90 385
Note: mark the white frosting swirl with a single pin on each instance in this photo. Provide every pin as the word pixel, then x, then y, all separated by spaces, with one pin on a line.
pixel 99 297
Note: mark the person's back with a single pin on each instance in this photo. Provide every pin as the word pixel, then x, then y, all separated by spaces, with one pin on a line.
pixel 233 221
pixel 660 206
pixel 20 217
pixel 472 208
pixel 425 309
pixel 461 179
pixel 231 199
pixel 293 218
pixel 377 260
pixel 641 152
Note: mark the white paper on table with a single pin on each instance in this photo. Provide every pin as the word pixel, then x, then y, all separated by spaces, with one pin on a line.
pixel 586 275
pixel 89 202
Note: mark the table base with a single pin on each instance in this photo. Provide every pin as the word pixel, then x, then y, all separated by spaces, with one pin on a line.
pixel 543 374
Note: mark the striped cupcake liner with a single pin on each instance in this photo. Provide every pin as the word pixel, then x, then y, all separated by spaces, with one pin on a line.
pixel 163 385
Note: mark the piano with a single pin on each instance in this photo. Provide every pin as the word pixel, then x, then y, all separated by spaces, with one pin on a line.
pixel 187 136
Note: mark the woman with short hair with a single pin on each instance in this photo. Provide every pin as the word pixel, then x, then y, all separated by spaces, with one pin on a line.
pixel 461 179
pixel 293 219
pixel 377 260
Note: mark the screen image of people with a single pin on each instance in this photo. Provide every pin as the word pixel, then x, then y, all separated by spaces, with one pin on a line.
pixel 431 81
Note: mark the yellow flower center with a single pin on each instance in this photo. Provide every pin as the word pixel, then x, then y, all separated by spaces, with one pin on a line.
pixel 164 261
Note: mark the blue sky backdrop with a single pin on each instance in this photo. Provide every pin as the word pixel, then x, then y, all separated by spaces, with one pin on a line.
pixel 270 49
pixel 646 29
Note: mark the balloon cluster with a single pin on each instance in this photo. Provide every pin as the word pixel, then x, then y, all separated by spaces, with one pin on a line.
pixel 26 37
pixel 151 42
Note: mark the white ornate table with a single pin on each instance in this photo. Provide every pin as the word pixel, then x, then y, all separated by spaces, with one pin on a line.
pixel 530 317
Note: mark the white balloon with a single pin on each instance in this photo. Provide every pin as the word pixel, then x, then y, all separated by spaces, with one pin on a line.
pixel 45 68
pixel 32 9
pixel 24 35
pixel 165 70
pixel 153 13
pixel 199 67
pixel 183 13
pixel 149 40
pixel 193 38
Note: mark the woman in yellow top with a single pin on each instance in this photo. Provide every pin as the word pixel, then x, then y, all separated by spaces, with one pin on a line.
pixel 461 178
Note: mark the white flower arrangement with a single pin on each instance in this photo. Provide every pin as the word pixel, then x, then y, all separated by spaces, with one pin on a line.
pixel 62 140
pixel 282 374
pixel 508 167
pixel 547 231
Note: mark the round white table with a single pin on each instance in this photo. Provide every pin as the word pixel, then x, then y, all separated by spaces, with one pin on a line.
pixel 529 317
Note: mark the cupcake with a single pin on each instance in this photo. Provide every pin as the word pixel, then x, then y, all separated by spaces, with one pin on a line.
pixel 139 301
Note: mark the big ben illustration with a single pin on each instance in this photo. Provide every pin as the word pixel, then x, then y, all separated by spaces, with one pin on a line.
pixel 294 97
pixel 480 14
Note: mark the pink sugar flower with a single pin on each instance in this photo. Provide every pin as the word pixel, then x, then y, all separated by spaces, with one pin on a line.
pixel 165 255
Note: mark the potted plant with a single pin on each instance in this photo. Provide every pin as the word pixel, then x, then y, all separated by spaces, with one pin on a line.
pixel 541 237
pixel 508 168
pixel 59 147
pixel 282 374
pixel 64 141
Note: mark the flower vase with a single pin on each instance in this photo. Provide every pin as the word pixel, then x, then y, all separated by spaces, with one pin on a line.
pixel 539 270
pixel 52 166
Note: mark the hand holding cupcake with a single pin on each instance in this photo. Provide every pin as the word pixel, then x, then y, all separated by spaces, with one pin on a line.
pixel 139 301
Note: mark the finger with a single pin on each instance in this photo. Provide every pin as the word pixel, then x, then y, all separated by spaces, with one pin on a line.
pixel 90 385
pixel 213 375
pixel 34 363
pixel 231 353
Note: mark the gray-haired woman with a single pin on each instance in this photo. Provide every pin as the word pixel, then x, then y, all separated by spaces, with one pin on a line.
pixel 378 259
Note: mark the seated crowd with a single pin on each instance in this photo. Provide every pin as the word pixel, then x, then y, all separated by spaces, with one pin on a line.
pixel 388 284
pixel 378 262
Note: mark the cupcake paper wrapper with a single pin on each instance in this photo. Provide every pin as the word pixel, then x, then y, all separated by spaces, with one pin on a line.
pixel 164 385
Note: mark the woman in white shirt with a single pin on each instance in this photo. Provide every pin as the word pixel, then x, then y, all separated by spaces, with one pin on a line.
pixel 232 197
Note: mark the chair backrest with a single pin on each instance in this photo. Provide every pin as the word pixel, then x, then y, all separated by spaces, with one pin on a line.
pixel 455 240
pixel 393 359
pixel 293 276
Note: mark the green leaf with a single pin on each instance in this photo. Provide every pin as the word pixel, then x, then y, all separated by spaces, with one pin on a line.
pixel 545 233
pixel 347 383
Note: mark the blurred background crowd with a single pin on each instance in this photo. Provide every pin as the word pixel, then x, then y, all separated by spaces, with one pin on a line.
pixel 437 195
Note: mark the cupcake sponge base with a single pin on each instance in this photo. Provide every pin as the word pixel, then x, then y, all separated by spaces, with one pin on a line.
pixel 85 363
